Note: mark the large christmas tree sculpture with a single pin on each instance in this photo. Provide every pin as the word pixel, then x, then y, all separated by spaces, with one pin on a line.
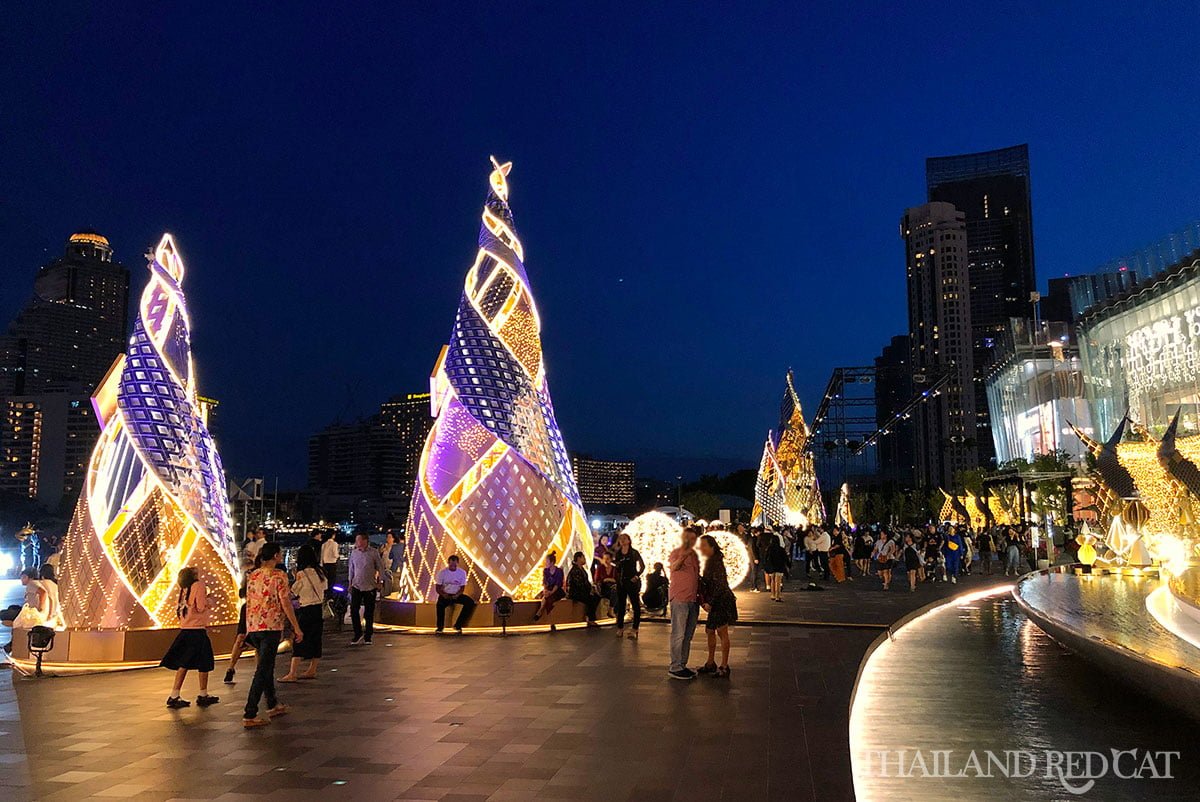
pixel 786 492
pixel 154 500
pixel 494 485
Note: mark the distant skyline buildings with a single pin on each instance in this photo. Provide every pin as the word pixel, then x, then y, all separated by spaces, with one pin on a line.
pixel 992 190
pixel 605 485
pixel 52 357
pixel 366 468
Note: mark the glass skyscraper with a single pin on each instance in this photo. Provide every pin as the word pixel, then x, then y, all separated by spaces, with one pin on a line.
pixel 991 189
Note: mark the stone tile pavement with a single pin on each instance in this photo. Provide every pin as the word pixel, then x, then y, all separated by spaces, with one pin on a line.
pixel 576 715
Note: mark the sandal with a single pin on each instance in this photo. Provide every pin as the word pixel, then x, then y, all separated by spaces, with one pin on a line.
pixel 707 668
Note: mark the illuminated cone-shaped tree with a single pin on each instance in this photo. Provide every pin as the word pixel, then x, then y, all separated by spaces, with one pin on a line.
pixel 786 491
pixel 494 485
pixel 154 499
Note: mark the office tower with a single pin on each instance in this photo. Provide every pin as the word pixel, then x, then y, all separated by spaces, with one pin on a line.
pixel 54 354
pixel 939 330
pixel 991 190
pixel 75 325
pixel 406 417
pixel 605 485
pixel 893 392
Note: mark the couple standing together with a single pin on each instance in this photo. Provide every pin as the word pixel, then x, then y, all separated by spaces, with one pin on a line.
pixel 688 592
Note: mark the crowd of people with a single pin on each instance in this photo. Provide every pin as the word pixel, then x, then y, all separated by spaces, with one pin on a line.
pixel 276 602
pixel 920 554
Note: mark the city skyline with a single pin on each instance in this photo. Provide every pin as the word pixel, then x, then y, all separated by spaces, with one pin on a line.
pixel 330 258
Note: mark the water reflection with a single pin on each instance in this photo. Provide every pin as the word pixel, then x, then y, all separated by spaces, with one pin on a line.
pixel 980 676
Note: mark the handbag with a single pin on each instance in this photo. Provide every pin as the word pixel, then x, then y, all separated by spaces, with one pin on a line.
pixel 326 607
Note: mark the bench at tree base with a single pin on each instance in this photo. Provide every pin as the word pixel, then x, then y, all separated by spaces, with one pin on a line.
pixel 423 615
pixel 90 651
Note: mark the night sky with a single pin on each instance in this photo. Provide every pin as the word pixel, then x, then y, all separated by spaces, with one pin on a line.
pixel 707 194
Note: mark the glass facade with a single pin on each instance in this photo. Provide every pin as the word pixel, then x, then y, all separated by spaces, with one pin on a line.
pixel 1036 392
pixel 1141 354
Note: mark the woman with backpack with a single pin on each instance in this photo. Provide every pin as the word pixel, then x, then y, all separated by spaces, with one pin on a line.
pixel 191 650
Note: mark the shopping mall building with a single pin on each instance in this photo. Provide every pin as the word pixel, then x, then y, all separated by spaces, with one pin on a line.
pixel 1139 353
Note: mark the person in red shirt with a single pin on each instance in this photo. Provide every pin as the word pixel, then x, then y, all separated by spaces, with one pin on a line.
pixel 268 605
pixel 685 609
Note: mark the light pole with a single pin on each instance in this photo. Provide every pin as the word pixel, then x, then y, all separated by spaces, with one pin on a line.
pixel 679 498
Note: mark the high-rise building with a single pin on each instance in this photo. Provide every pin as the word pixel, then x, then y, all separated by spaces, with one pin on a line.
pixel 75 325
pixel 408 418
pixel 991 190
pixel 604 485
pixel 45 441
pixel 367 469
pixel 939 330
pixel 893 392
pixel 53 356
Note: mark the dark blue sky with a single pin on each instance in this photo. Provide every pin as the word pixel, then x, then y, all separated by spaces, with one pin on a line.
pixel 707 193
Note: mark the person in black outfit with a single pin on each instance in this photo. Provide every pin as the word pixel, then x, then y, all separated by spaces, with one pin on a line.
pixel 657 586
pixel 629 567
pixel 580 589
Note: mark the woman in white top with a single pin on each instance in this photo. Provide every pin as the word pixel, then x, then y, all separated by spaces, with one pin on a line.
pixel 33 611
pixel 309 587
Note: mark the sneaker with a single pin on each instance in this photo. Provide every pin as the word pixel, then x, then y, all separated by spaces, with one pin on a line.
pixel 204 700
pixel 250 723
pixel 458 630
pixel 229 677
pixel 683 673
pixel 437 631
pixel 633 634
pixel 357 642
pixel 175 703
pixel 366 643
pixel 278 710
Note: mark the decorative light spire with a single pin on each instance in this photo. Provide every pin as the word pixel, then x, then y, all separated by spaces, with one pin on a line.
pixel 154 500
pixel 494 484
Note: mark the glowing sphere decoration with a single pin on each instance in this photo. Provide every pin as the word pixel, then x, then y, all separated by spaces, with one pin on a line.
pixel 154 498
pixel 656 535
pixel 494 483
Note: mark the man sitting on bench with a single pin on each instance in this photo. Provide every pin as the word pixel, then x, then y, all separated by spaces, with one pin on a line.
pixel 451 584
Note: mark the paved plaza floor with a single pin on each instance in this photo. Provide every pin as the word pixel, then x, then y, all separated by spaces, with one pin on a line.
pixel 575 715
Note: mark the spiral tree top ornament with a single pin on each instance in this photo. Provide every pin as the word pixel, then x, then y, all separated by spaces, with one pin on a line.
pixel 494 485
pixel 154 500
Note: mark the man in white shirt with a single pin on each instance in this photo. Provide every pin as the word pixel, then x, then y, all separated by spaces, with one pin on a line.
pixel 329 559
pixel 366 569
pixel 824 543
pixel 451 584
pixel 811 558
